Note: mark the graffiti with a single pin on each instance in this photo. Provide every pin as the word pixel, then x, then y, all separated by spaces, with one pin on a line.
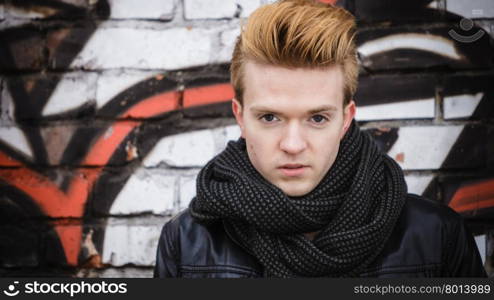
pixel 65 164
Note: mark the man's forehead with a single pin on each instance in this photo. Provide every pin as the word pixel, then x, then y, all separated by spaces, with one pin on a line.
pixel 271 87
pixel 254 63
pixel 267 68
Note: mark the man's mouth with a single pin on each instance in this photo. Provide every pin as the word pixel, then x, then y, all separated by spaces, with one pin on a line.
pixel 291 170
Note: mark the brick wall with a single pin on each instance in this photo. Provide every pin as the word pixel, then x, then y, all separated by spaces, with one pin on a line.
pixel 109 108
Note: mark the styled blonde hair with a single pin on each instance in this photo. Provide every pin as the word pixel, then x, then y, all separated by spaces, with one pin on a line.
pixel 298 34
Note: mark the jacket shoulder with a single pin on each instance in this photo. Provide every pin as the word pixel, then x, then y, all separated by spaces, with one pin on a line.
pixel 200 249
pixel 432 220
pixel 181 221
pixel 431 238
pixel 183 228
pixel 434 212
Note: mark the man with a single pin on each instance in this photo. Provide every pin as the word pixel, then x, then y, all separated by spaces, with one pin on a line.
pixel 304 192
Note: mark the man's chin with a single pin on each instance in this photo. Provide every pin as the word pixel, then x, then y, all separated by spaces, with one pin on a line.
pixel 295 191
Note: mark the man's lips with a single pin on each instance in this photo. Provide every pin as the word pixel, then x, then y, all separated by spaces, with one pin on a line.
pixel 293 169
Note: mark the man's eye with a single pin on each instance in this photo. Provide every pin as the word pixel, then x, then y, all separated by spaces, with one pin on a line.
pixel 269 118
pixel 319 119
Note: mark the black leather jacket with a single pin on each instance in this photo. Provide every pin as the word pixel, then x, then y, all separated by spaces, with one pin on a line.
pixel 429 240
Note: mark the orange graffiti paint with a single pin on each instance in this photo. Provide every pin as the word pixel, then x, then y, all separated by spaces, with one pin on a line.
pixel 474 197
pixel 208 94
pixel 152 106
pixel 53 201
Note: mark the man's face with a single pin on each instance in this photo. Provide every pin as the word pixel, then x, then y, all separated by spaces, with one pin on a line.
pixel 292 121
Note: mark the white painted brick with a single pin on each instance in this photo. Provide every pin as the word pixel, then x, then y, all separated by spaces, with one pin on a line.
pixel 8 22
pixel 3 108
pixel 14 137
pixel 433 4
pixel 72 91
pixel 116 273
pixel 222 135
pixel 461 106
pixel 14 12
pixel 187 191
pixel 473 9
pixel 211 9
pixel 419 41
pixel 219 9
pixel 7 104
pixel 112 83
pixel 130 244
pixel 481 246
pixel 146 48
pixel 134 9
pixel 146 191
pixel 248 6
pixel 227 43
pixel 418 183
pixel 424 147
pixel 423 108
pixel 80 3
pixel 193 149
pixel 232 133
pixel 486 25
pixel 219 139
pixel 4 101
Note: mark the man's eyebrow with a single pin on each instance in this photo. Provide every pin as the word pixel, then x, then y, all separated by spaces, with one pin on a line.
pixel 323 108
pixel 316 110
pixel 261 109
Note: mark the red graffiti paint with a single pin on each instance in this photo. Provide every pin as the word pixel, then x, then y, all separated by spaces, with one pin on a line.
pixel 153 105
pixel 56 203
pixel 474 197
pixel 207 95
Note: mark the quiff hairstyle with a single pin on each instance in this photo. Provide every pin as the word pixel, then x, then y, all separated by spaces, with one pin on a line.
pixel 298 34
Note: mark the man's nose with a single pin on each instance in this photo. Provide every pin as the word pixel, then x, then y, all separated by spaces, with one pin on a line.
pixel 293 140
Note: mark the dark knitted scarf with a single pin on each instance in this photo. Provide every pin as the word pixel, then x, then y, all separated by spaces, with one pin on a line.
pixel 355 207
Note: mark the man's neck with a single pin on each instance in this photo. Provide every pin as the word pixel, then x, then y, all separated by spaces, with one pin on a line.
pixel 311 235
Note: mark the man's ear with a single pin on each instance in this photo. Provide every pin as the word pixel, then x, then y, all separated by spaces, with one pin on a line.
pixel 237 112
pixel 348 115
